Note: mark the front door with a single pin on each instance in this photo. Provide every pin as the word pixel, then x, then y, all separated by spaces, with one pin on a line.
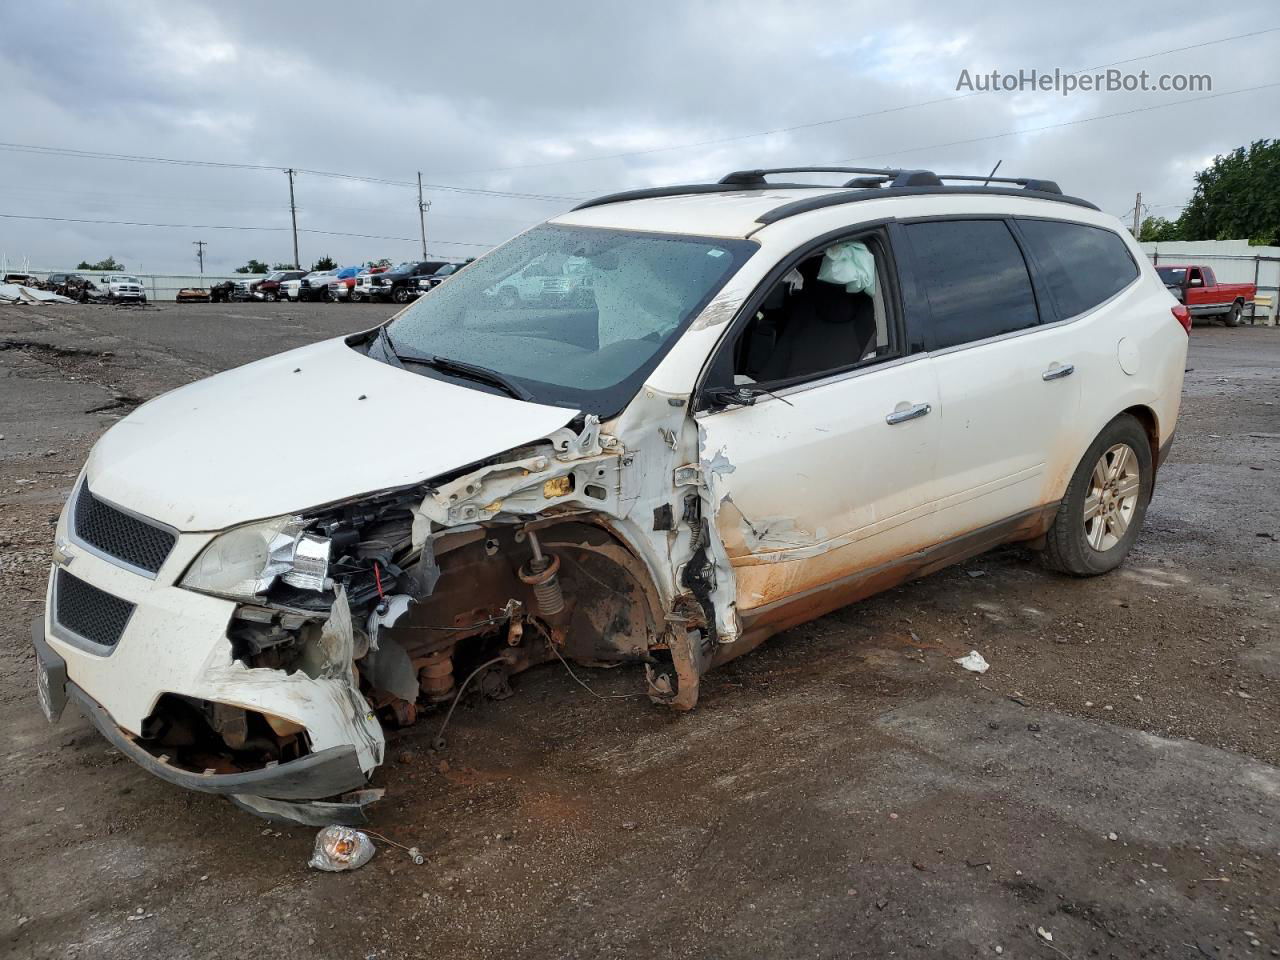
pixel 821 473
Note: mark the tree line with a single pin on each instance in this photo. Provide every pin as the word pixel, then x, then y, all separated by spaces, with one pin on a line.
pixel 1236 197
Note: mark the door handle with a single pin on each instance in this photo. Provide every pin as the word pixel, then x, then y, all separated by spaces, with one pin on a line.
pixel 1058 372
pixel 910 413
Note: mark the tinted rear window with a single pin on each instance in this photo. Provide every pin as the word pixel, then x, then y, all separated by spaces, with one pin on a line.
pixel 1082 265
pixel 975 278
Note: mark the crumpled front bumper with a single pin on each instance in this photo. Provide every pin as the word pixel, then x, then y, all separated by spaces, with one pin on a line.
pixel 175 642
pixel 267 791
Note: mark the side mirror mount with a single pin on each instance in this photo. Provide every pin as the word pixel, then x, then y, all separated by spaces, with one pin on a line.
pixel 739 396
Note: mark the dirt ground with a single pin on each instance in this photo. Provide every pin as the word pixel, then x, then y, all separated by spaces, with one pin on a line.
pixel 845 791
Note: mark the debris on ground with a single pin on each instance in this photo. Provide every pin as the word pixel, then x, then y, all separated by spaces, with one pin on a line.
pixel 341 848
pixel 974 661
pixel 18 293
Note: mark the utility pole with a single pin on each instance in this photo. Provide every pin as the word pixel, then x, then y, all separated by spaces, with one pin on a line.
pixel 422 216
pixel 293 212
pixel 1137 215
pixel 200 245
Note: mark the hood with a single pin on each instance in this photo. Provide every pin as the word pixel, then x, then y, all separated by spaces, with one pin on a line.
pixel 298 430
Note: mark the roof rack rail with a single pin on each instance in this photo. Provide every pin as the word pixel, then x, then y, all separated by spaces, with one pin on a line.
pixel 881 180
pixel 1043 186
pixel 900 178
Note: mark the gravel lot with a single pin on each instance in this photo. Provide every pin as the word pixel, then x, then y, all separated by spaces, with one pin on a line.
pixel 845 791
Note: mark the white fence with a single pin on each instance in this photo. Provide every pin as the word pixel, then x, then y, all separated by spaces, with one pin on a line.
pixel 159 286
pixel 1232 261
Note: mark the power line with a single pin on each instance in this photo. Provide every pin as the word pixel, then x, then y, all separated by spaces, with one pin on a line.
pixel 857 116
pixel 140 158
pixel 1056 126
pixel 216 226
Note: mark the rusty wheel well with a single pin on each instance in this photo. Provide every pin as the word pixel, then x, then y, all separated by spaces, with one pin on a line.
pixel 1147 417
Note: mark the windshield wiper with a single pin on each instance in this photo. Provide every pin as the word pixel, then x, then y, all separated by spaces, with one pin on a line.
pixel 471 371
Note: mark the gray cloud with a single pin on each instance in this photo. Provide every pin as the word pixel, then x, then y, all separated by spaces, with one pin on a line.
pixel 465 95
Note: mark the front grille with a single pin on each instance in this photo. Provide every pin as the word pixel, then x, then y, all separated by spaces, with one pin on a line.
pixel 89 612
pixel 118 534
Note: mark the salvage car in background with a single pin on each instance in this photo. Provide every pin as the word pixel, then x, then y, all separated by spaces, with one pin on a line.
pixel 778 400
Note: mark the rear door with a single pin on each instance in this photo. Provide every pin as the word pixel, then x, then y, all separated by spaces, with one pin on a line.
pixel 1006 381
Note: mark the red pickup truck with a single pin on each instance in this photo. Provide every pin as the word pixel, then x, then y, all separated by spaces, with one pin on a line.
pixel 1197 287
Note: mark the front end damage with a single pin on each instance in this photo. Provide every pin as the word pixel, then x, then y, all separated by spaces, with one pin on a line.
pixel 534 556
pixel 582 547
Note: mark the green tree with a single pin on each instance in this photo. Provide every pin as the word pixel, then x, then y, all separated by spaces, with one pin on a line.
pixel 108 264
pixel 384 262
pixel 1238 195
pixel 284 266
pixel 253 266
pixel 1159 229
pixel 325 263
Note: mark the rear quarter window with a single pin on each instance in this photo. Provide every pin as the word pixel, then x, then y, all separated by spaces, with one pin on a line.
pixel 1081 265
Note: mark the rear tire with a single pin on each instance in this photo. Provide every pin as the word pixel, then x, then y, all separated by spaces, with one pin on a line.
pixel 1232 318
pixel 1105 504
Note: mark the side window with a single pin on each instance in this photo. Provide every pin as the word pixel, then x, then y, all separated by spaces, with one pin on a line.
pixel 975 279
pixel 827 313
pixel 1082 265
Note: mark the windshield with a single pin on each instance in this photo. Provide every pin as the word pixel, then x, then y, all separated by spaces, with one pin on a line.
pixel 1172 276
pixel 577 316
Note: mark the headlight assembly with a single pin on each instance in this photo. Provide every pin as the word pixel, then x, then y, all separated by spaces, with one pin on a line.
pixel 244 562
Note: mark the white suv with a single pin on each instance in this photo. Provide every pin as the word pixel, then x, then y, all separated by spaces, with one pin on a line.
pixel 776 400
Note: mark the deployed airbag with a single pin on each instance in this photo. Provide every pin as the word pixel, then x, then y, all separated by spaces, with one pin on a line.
pixel 851 264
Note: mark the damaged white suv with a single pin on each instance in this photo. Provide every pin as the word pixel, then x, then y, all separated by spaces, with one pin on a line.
pixel 770 400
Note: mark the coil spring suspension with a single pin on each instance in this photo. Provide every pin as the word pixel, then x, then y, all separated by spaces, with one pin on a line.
pixel 542 572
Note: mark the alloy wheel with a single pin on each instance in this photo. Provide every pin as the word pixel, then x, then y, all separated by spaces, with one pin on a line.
pixel 1114 488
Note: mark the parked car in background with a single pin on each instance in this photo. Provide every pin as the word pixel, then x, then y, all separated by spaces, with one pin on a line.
pixel 293 289
pixel 400 283
pixel 266 287
pixel 270 287
pixel 347 289
pixel 193 295
pixel 221 292
pixel 780 401
pixel 321 285
pixel 122 288
pixel 434 280
pixel 1195 285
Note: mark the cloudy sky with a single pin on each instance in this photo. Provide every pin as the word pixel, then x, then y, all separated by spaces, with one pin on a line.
pixel 552 101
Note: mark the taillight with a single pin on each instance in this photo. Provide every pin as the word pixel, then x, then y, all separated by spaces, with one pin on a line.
pixel 1183 316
